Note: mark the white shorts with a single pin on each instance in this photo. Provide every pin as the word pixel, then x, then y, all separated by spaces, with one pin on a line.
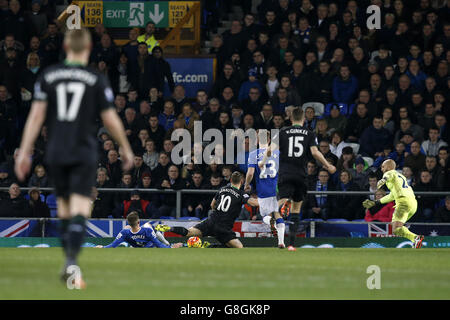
pixel 267 205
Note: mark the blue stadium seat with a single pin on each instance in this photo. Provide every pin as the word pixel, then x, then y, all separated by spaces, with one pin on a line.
pixel 166 218
pixel 342 106
pixel 350 109
pixel 189 218
pixel 359 220
pixel 336 220
pixel 53 213
pixel 311 219
pixel 51 201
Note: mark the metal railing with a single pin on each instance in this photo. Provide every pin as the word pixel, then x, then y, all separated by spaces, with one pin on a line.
pixel 181 192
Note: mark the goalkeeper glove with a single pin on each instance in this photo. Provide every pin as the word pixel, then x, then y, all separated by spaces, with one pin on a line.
pixel 381 183
pixel 368 203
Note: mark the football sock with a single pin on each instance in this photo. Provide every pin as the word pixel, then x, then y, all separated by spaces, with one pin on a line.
pixel 293 228
pixel 161 238
pixel 179 230
pixel 63 226
pixel 405 233
pixel 280 226
pixel 75 236
pixel 267 219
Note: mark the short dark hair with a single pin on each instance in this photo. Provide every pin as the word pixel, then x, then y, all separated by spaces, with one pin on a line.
pixel 236 177
pixel 133 218
pixel 297 114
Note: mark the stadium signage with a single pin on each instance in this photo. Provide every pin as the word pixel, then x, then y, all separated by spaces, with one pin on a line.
pixel 125 14
pixel 192 73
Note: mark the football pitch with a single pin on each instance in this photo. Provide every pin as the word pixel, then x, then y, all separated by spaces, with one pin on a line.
pixel 249 273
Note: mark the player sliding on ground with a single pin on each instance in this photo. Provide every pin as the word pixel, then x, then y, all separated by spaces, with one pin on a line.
pixel 296 145
pixel 405 201
pixel 227 204
pixel 266 188
pixel 140 237
pixel 70 97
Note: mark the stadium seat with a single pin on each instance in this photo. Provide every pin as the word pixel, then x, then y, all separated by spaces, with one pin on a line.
pixel 350 109
pixel 342 106
pixel 359 220
pixel 189 218
pixel 336 220
pixel 355 147
pixel 311 219
pixel 368 160
pixel 166 218
pixel 51 201
pixel 319 108
pixel 53 213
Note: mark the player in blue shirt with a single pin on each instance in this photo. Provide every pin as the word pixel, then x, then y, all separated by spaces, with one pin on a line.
pixel 266 189
pixel 140 237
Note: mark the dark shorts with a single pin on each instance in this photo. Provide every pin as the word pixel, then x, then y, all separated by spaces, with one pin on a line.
pixel 70 179
pixel 210 228
pixel 291 186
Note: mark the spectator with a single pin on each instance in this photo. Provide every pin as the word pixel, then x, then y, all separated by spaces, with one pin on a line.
pixel 103 201
pixel 113 166
pixel 319 206
pixel 135 203
pixel 264 120
pixel 433 144
pixel 381 213
pixel 148 37
pixel 14 206
pixel 374 139
pixel 346 160
pixel 150 155
pixel 349 206
pixel 345 85
pixel 359 173
pixel 357 123
pixel 426 205
pixel 167 117
pixel 39 178
pixel 228 78
pixel 160 171
pixel 442 214
pixel 415 160
pixel 160 70
pixel 52 44
pixel 337 143
pixel 196 204
pixel 210 118
pixel 125 183
pixel 172 181
pixel 254 103
pixel 38 208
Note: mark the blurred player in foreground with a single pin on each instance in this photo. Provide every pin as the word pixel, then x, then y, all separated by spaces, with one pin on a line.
pixel 266 188
pixel 227 204
pixel 405 201
pixel 140 237
pixel 71 97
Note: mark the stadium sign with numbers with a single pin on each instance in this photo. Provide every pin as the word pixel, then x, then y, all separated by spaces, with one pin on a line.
pixel 91 12
pixel 125 14
pixel 177 10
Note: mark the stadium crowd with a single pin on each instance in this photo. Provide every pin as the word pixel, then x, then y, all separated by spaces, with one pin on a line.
pixel 369 95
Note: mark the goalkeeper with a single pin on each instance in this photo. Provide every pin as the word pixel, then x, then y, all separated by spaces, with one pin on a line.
pixel 405 201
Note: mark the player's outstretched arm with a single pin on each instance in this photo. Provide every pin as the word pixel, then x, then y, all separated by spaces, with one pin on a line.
pixel 273 146
pixel 319 156
pixel 114 125
pixel 31 131
pixel 249 178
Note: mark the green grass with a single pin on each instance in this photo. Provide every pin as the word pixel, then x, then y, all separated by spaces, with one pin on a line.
pixel 250 273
